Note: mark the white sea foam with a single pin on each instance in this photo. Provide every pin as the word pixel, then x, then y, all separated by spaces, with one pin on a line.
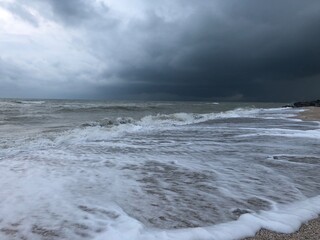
pixel 289 133
pixel 32 102
pixel 283 219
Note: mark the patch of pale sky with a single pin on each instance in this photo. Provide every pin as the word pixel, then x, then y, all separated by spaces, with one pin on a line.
pixel 11 25
pixel 48 50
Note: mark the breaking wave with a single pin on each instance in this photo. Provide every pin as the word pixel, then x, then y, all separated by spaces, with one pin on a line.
pixel 175 119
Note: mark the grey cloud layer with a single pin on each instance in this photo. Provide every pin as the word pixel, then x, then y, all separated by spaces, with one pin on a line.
pixel 21 11
pixel 241 50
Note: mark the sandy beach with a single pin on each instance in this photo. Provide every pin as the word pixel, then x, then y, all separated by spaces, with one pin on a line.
pixel 309 230
pixel 311 114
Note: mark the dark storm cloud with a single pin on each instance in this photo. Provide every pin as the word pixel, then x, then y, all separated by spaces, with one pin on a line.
pixel 76 11
pixel 237 50
pixel 260 50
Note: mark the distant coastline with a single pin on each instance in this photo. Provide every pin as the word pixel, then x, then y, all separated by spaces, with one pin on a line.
pixel 315 103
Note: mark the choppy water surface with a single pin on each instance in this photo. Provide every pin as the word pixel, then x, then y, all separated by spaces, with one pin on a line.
pixel 120 170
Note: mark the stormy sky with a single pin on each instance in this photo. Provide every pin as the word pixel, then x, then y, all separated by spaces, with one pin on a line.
pixel 225 50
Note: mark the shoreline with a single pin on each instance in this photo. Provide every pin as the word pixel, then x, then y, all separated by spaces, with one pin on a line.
pixel 309 230
pixel 310 114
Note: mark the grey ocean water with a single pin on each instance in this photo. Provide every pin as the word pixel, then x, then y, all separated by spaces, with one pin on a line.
pixel 127 170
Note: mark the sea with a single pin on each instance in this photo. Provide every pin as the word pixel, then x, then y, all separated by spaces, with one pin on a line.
pixel 103 170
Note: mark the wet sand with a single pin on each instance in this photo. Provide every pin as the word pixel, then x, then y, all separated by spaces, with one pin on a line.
pixel 309 230
pixel 311 114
